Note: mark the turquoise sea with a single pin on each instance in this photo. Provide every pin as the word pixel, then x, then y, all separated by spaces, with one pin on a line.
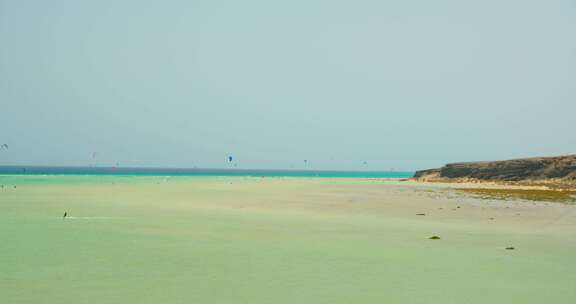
pixel 40 170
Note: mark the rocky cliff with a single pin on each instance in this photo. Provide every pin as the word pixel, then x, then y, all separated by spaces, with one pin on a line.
pixel 560 169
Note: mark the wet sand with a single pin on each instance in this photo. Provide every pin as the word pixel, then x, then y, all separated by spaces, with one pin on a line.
pixel 277 240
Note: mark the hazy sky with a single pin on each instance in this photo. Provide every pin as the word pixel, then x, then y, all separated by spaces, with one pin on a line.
pixel 398 84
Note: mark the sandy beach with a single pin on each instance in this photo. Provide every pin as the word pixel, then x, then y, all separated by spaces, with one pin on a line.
pixel 277 240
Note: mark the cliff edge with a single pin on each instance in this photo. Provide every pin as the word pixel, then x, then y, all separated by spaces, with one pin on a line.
pixel 560 170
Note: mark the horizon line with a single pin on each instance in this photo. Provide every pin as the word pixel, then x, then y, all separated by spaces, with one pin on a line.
pixel 195 168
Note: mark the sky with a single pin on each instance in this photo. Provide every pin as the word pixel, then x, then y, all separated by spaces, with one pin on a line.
pixel 351 85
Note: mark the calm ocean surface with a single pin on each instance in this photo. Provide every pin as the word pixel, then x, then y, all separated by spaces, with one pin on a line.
pixel 34 170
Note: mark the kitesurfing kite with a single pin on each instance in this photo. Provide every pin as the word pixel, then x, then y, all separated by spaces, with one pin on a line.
pixel 230 158
pixel 4 146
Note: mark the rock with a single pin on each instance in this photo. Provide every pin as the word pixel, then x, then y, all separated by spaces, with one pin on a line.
pixel 509 248
pixel 561 169
pixel 429 174
pixel 434 237
pixel 420 214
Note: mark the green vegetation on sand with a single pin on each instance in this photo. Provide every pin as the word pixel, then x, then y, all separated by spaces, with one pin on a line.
pixel 561 196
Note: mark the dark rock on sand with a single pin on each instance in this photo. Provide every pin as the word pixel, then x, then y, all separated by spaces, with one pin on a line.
pixel 560 169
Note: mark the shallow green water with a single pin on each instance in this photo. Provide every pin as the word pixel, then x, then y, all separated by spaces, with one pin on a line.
pixel 230 240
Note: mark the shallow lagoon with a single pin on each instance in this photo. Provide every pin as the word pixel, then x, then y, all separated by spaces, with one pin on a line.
pixel 276 240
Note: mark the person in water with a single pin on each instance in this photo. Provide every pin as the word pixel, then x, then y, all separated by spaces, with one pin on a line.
pixel 65 214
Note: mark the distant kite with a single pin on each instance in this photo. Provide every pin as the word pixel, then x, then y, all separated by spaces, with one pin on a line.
pixel 4 146
pixel 230 159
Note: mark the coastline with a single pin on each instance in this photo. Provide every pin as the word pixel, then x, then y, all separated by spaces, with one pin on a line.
pixel 476 183
pixel 506 191
pixel 557 173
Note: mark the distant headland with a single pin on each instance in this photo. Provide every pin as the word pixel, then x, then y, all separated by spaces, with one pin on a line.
pixel 553 172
